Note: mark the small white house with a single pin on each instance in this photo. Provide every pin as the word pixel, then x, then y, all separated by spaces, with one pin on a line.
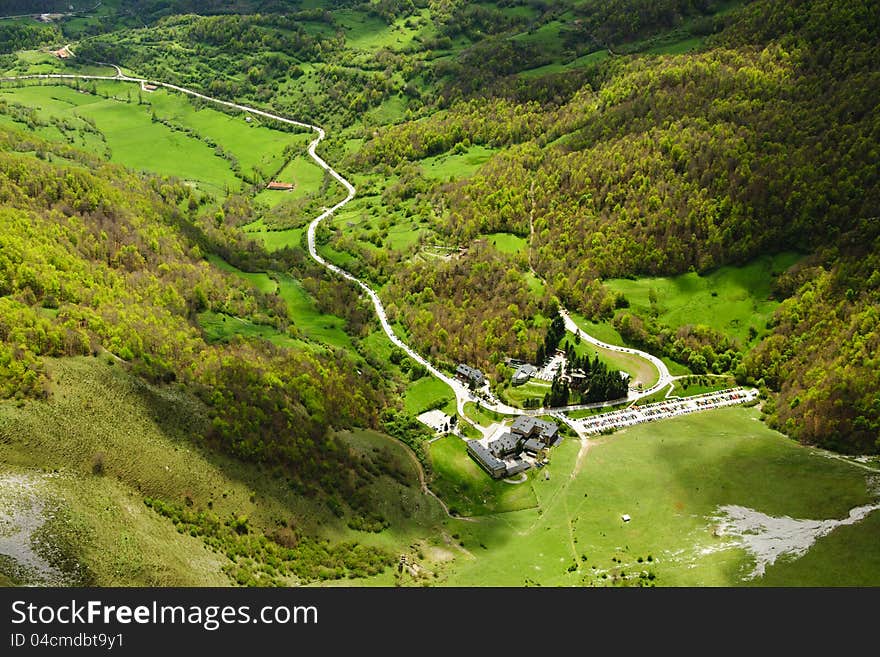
pixel 625 517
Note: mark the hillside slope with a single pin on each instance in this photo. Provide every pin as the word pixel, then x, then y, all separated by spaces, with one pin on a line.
pixel 763 142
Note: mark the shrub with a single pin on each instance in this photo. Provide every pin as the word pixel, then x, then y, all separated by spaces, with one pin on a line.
pixel 98 464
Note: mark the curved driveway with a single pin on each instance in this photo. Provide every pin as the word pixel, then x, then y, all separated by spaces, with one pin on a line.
pixel 665 377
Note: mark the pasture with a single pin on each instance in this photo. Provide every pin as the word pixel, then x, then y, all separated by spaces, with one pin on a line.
pixel 455 166
pixel 167 134
pixel 732 300
pixel 427 393
pixel 466 488
pixel 147 436
pixel 671 477
pixel 507 242
pixel 311 323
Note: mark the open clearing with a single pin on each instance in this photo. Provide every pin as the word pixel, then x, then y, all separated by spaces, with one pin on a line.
pixel 671 478
pixel 184 142
pixel 730 299
pixel 428 393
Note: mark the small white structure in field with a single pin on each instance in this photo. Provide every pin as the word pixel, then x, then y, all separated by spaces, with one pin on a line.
pixel 625 517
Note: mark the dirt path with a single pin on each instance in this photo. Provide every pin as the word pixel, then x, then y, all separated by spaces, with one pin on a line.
pixel 586 444
pixel 423 483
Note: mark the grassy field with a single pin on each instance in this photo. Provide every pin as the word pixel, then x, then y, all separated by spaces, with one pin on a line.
pixel 304 174
pixel 186 146
pixel 677 47
pixel 311 322
pixel 559 67
pixel 671 477
pixel 274 239
pixel 427 393
pixel 466 488
pixel 483 416
pixel 148 439
pixel 455 166
pixel 602 331
pixel 314 324
pixel 531 390
pixel 507 242
pixel 260 280
pixel 221 328
pixel 731 299
pixel 255 146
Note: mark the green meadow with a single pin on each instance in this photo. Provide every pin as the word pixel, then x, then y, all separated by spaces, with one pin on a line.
pixel 671 477
pixel 559 67
pixel 312 323
pixel 256 146
pixel 274 239
pixel 507 242
pixel 428 393
pixel 466 488
pixel 188 147
pixel 483 416
pixel 219 327
pixel 306 176
pixel 532 391
pixel 731 299
pixel 455 166
pixel 260 280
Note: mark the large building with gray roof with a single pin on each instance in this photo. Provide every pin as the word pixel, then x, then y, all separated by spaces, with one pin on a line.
pixel 503 456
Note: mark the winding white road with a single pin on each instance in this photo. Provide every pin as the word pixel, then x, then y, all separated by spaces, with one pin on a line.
pixel 665 377
pixel 462 393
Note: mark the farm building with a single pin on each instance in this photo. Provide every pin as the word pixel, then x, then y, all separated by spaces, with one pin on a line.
pixel 280 186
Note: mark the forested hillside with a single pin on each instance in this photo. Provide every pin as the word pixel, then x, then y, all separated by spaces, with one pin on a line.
pixel 766 141
pixel 200 384
pixel 95 259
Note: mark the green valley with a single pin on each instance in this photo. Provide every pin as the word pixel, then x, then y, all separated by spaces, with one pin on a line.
pixel 274 275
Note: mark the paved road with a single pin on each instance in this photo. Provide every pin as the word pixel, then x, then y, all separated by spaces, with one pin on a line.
pixel 665 377
pixel 462 393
